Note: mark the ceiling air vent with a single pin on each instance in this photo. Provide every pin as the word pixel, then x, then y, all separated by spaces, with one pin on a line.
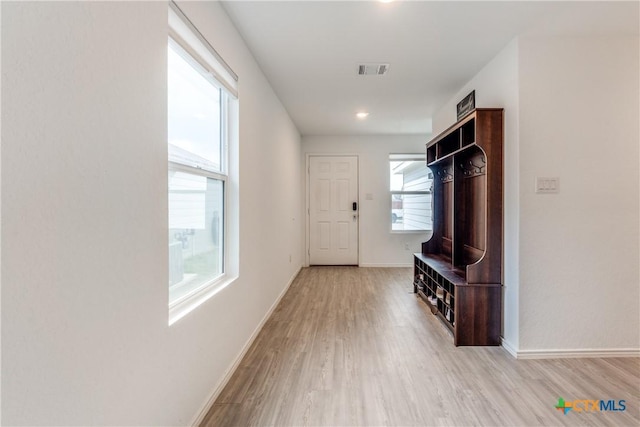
pixel 373 69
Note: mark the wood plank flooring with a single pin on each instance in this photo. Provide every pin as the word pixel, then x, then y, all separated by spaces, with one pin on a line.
pixel 352 346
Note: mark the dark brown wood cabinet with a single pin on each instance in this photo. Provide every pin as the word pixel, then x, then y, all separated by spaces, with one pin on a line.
pixel 459 272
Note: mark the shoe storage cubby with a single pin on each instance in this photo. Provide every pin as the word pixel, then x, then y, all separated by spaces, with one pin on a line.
pixel 459 271
pixel 437 291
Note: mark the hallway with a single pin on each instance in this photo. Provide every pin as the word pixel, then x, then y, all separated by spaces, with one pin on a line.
pixel 354 346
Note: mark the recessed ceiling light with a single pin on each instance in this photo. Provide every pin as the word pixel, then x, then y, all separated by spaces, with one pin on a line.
pixel 385 1
pixel 362 115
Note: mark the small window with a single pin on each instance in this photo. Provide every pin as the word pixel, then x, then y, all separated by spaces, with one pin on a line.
pixel 411 183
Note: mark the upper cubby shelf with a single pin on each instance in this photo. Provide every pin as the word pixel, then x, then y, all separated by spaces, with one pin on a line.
pixel 456 138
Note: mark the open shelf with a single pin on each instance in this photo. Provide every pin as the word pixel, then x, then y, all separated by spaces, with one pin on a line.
pixel 436 290
pixel 448 145
pixel 431 154
pixel 459 272
pixel 454 139
pixel 442 265
pixel 468 133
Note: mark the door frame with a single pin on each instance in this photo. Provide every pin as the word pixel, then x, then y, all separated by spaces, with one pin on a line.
pixel 307 213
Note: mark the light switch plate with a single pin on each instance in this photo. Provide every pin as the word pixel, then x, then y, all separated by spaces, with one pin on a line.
pixel 547 185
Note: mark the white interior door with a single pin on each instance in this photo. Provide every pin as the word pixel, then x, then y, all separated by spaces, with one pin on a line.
pixel 333 210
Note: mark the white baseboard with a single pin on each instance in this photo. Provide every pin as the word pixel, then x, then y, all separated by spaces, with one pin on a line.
pixel 582 353
pixel 510 348
pixel 578 353
pixel 221 385
pixel 386 265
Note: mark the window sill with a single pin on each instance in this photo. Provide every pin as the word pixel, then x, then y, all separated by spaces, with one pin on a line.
pixel 186 305
pixel 410 231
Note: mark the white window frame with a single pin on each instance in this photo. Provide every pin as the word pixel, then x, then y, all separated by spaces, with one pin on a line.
pixel 197 51
pixel 409 157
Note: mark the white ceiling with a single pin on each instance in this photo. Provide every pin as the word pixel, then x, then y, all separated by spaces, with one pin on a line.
pixel 309 51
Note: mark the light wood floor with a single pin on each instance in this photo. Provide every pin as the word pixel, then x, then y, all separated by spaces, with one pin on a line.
pixel 353 346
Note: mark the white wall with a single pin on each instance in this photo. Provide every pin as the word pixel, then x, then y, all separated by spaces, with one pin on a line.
pixel 85 339
pixel 579 282
pixel 572 283
pixel 0 229
pixel 496 85
pixel 378 245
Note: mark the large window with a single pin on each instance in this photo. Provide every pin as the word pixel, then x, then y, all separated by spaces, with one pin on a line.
pixel 199 123
pixel 410 187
